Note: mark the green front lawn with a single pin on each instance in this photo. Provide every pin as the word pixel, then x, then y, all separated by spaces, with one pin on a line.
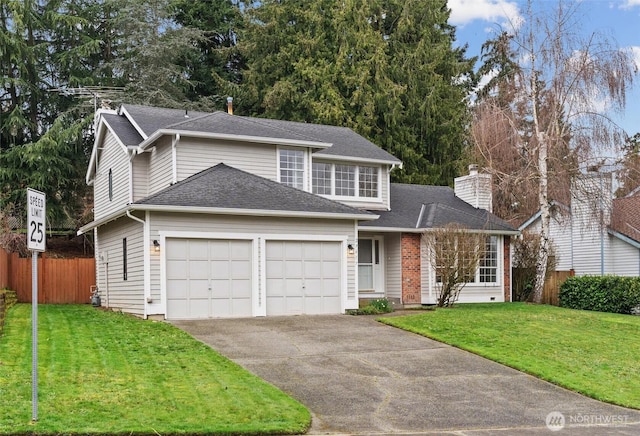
pixel 594 353
pixel 109 373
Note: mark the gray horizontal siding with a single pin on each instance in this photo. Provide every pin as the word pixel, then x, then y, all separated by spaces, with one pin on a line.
pixel 196 154
pixel 111 157
pixel 117 293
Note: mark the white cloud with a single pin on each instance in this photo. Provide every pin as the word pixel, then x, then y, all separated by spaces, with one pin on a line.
pixel 628 4
pixel 503 12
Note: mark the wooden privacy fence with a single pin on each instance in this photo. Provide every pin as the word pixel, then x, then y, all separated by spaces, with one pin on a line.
pixel 551 289
pixel 60 281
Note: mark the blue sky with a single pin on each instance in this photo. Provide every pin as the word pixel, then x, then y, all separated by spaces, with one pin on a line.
pixel 477 20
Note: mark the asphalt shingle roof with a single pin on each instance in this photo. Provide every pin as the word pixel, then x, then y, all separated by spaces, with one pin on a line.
pixel 150 119
pixel 345 142
pixel 625 218
pixel 222 186
pixel 424 207
pixel 123 129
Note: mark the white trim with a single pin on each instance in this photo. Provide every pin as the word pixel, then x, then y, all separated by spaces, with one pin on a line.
pixel 255 279
pixel 99 139
pixel 414 230
pixel 356 198
pixel 228 137
pixel 174 158
pixel 305 168
pixel 356 292
pixel 123 111
pixel 224 211
pixel 351 159
pixel 254 212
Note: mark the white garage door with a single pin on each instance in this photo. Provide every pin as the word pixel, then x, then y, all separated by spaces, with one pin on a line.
pixel 208 278
pixel 303 277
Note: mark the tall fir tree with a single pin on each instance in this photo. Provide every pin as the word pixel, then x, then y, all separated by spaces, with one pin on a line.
pixel 386 68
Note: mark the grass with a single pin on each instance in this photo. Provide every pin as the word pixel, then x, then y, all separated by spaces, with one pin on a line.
pixel 594 353
pixel 108 373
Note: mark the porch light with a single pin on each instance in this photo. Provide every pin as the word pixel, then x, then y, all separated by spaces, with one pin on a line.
pixel 351 249
pixel 156 245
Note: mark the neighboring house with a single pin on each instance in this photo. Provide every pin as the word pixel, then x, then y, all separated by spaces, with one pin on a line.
pixel 213 215
pixel 596 234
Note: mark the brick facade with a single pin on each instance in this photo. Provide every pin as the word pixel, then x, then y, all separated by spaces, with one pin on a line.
pixel 410 265
pixel 507 268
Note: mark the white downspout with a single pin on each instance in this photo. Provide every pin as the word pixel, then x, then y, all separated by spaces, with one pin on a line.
pixel 174 158
pixel 133 154
pixel 147 259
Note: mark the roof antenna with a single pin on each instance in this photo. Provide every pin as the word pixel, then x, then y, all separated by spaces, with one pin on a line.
pixel 186 113
pixel 230 105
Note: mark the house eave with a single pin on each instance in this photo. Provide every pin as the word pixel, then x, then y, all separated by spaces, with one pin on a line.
pixel 222 211
pixel 252 212
pixel 423 230
pixel 333 157
pixel 227 137
pixel 624 238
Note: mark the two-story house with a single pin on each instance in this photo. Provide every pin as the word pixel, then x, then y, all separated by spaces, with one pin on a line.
pixel 202 215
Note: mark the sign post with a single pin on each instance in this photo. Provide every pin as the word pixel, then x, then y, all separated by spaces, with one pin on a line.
pixel 36 235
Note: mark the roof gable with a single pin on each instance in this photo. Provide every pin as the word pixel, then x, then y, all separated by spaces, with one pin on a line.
pixel 225 187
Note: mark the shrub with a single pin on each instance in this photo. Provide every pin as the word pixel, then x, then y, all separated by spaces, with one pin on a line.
pixel 375 307
pixel 614 294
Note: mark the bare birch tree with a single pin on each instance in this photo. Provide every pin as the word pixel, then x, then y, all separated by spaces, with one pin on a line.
pixel 454 254
pixel 563 85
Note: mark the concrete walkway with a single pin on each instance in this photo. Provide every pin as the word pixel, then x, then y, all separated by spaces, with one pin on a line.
pixel 358 376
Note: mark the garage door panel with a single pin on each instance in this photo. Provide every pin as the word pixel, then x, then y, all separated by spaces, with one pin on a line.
pixel 331 270
pixel 240 269
pixel 219 250
pixel 213 278
pixel 220 269
pixel 293 250
pixel 241 289
pixel 198 249
pixel 177 288
pixel 312 269
pixel 303 277
pixel 293 269
pixel 198 269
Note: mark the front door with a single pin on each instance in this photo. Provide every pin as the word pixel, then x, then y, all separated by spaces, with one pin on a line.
pixel 370 277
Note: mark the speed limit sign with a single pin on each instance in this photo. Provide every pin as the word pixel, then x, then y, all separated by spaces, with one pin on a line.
pixel 36 220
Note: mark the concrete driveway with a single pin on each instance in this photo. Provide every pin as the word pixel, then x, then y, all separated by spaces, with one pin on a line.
pixel 358 376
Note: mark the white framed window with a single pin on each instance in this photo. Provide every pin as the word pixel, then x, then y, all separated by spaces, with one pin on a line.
pixel 292 167
pixel 368 182
pixel 343 180
pixel 322 178
pixel 488 270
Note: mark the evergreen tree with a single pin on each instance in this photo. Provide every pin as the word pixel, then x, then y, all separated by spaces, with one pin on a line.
pixel 386 68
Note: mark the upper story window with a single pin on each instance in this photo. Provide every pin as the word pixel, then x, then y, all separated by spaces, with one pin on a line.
pixel 292 168
pixel 345 180
pixel 341 180
pixel 322 178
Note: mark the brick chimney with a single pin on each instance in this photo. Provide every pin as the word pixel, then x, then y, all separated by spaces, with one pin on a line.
pixel 475 188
